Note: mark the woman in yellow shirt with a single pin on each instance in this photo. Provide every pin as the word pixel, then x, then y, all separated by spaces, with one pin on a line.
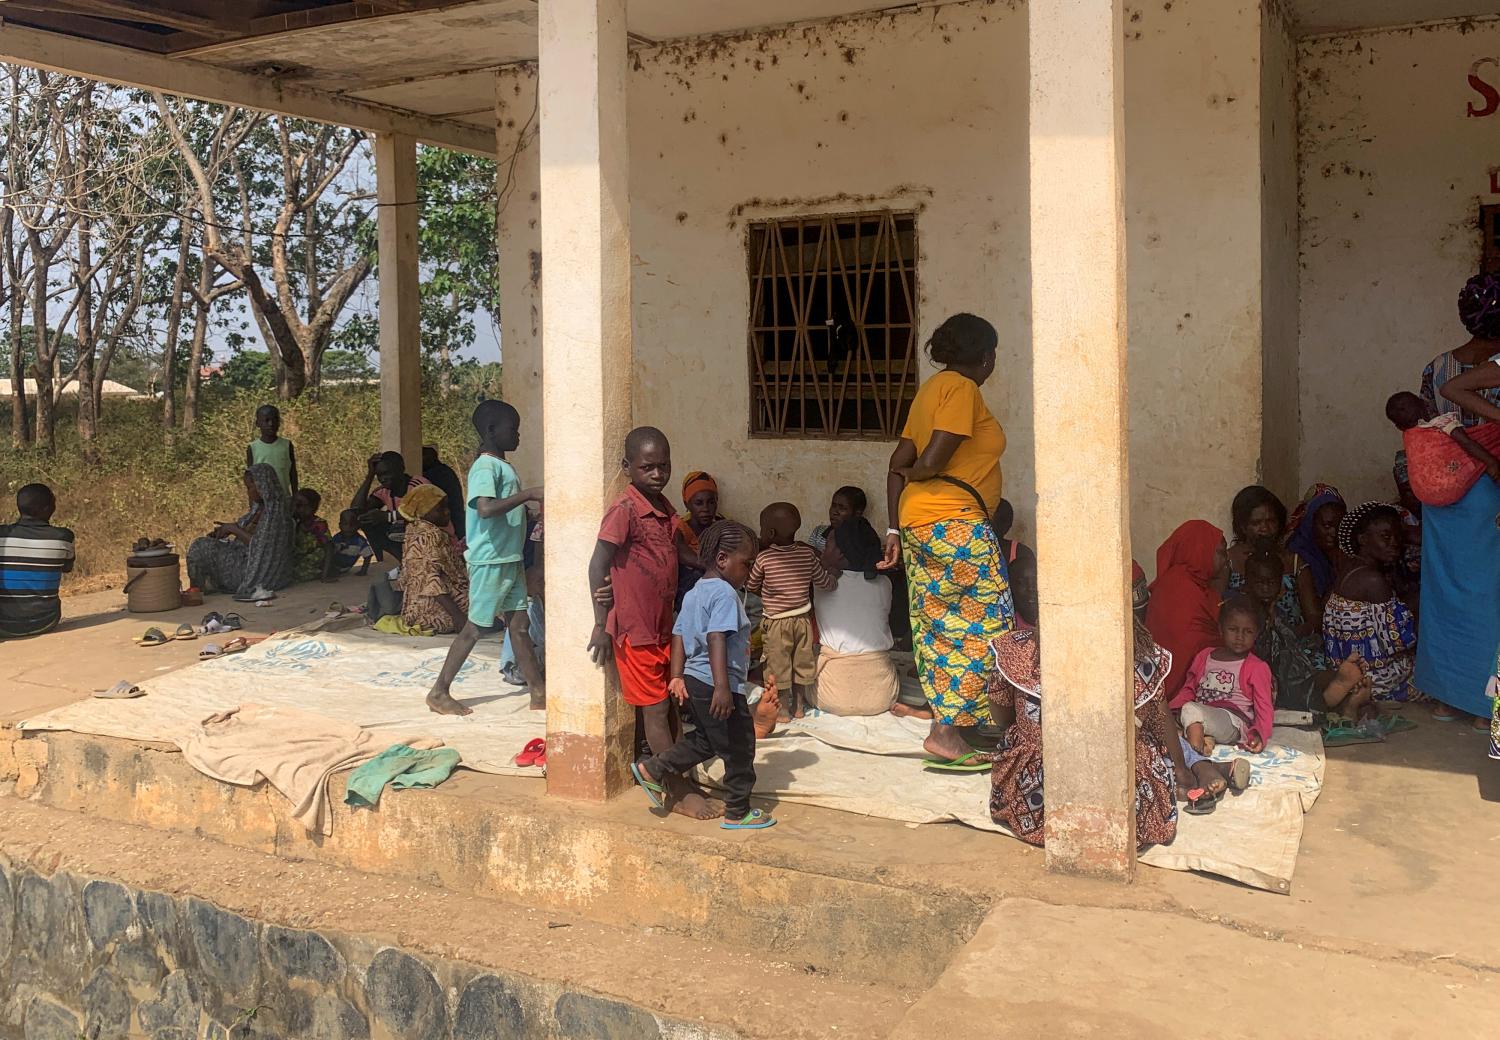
pixel 944 485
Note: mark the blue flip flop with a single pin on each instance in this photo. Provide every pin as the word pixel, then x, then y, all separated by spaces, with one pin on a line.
pixel 651 787
pixel 754 820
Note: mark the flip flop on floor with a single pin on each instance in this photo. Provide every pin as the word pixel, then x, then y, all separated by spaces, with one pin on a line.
pixel 651 787
pixel 233 622
pixel 123 690
pixel 754 820
pixel 153 636
pixel 534 749
pixel 185 631
pixel 1239 774
pixel 210 650
pixel 1201 803
pixel 964 763
pixel 237 645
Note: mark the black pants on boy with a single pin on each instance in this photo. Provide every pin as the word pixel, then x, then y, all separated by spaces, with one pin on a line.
pixel 731 739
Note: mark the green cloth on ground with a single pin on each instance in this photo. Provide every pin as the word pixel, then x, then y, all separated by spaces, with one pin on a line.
pixel 392 625
pixel 402 767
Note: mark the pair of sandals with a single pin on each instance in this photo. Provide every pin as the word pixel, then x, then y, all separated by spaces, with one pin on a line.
pixel 154 636
pixel 1203 802
pixel 214 623
pixel 754 820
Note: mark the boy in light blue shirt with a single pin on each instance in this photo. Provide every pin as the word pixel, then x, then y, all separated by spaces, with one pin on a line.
pixel 710 656
pixel 496 529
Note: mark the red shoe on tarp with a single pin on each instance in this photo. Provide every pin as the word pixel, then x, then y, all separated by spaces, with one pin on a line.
pixel 533 754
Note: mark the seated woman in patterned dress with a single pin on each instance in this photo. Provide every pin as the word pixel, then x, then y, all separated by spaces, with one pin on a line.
pixel 434 577
pixel 1016 797
pixel 1364 616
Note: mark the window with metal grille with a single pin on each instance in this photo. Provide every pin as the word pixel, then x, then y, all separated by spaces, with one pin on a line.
pixel 1489 225
pixel 833 325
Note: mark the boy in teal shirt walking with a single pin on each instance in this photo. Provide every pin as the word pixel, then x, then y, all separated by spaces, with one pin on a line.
pixel 496 526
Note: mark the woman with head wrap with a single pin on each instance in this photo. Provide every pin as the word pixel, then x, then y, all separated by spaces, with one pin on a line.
pixel 1314 540
pixel 251 557
pixel 1479 310
pixel 1192 572
pixel 1461 577
pixel 700 494
pixel 434 578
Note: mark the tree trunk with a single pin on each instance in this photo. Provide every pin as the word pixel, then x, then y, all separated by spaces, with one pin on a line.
pixel 174 329
pixel 88 421
pixel 201 306
pixel 20 432
pixel 46 414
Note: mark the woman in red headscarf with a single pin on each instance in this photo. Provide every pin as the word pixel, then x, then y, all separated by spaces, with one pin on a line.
pixel 1192 570
pixel 700 493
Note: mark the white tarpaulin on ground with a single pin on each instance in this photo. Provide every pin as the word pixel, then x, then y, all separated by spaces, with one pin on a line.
pixel 357 676
pixel 873 766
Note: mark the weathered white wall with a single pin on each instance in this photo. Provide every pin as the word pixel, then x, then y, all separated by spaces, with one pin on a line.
pixel 927 110
pixel 1393 174
pixel 1281 431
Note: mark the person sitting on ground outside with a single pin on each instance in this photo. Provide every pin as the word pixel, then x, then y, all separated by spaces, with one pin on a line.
pixel 700 494
pixel 710 660
pixel 855 673
pixel 1017 800
pixel 636 557
pixel 272 449
pixel 434 580
pixel 34 555
pixel 310 538
pixel 347 548
pixel 848 503
pixel 1363 616
pixel 1227 696
pixel 1443 458
pixel 1344 691
pixel 251 557
pixel 439 474
pixel 1192 569
pixel 1254 515
pixel 1012 549
pixel 496 525
pixel 1314 539
pixel 378 500
pixel 784 574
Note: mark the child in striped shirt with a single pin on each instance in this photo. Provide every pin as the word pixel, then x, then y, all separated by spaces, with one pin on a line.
pixel 783 575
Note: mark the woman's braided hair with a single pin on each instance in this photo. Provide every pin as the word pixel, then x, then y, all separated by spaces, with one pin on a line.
pixel 724 536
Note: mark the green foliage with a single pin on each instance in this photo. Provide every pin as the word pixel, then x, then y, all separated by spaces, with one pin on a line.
pixel 141 488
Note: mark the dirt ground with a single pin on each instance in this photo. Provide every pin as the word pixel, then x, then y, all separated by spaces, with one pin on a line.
pixel 1390 910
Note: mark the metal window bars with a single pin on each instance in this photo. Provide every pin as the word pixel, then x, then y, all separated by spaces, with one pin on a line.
pixel 833 325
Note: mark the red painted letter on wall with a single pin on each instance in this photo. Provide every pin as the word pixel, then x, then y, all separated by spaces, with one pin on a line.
pixel 1490 94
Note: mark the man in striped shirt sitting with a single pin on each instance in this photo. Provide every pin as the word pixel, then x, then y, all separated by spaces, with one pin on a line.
pixel 34 555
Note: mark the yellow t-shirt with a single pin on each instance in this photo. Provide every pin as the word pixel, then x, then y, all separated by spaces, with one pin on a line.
pixel 952 403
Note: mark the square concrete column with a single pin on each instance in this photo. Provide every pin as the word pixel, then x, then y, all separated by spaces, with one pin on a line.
pixel 400 299
pixel 1082 473
pixel 586 370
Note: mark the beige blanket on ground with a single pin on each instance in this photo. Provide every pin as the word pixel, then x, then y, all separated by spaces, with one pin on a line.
pixel 856 684
pixel 293 751
pixel 355 677
pixel 872 766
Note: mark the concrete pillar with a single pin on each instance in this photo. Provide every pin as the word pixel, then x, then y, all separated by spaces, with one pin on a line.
pixel 586 369
pixel 1082 468
pixel 400 299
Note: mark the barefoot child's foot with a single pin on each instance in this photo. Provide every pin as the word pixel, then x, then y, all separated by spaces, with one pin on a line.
pixel 696 807
pixel 440 701
pixel 906 711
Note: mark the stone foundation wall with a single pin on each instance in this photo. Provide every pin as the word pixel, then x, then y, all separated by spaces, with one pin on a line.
pixel 90 958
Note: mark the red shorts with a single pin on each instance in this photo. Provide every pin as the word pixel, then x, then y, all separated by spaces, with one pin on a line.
pixel 644 672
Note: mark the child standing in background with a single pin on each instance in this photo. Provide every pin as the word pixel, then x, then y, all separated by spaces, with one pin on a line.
pixel 496 525
pixel 272 449
pixel 783 575
pixel 636 556
pixel 848 503
pixel 710 658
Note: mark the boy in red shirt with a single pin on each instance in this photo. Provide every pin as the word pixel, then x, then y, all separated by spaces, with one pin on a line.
pixel 637 557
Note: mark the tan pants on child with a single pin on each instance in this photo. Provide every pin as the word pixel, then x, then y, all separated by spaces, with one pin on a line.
pixel 789 650
pixel 1224 726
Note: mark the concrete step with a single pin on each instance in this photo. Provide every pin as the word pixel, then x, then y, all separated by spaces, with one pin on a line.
pixel 842 909
pixel 109 929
